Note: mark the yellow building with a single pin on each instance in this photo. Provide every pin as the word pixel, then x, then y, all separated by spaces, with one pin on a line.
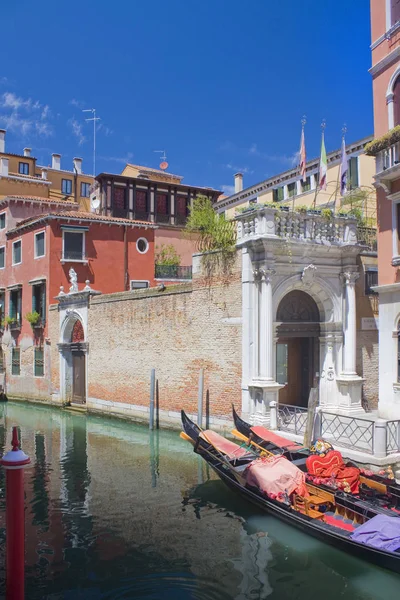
pixel 289 190
pixel 20 175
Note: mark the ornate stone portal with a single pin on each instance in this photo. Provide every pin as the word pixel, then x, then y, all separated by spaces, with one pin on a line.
pixel 320 304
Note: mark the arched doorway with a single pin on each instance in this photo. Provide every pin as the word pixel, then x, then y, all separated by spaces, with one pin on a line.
pixel 78 364
pixel 297 351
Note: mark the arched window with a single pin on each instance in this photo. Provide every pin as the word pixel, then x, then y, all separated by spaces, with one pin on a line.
pixel 395 11
pixel 77 335
pixel 396 102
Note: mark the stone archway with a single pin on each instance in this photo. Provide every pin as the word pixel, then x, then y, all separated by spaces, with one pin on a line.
pixel 297 350
pixel 73 350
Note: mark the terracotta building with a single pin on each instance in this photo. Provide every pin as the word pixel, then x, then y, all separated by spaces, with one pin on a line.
pixel 385 71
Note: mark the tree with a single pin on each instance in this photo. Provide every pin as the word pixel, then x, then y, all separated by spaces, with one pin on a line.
pixel 215 233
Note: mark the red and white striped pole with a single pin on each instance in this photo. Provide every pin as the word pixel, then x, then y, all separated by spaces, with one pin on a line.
pixel 14 463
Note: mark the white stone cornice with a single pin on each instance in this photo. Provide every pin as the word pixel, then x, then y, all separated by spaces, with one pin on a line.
pixel 385 62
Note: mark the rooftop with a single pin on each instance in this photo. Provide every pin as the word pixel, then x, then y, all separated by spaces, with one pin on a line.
pixel 76 216
pixel 38 199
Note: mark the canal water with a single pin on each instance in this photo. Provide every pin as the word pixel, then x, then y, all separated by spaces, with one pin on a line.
pixel 114 512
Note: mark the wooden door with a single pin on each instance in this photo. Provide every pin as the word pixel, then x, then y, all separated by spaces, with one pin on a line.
pixel 78 377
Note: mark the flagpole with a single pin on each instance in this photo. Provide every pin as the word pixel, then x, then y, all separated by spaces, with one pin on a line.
pixel 303 122
pixel 323 125
pixel 344 130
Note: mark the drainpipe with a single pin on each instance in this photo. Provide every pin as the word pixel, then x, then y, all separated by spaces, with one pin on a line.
pixel 125 257
pixel 75 184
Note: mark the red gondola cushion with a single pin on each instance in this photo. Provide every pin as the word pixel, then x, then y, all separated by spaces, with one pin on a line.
pixel 278 440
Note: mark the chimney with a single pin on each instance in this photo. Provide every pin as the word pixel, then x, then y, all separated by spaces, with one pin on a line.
pixel 2 140
pixel 56 162
pixel 4 167
pixel 27 151
pixel 78 165
pixel 44 173
pixel 238 182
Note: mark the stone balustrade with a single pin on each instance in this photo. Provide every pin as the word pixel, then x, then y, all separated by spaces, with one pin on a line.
pixel 271 222
pixel 388 158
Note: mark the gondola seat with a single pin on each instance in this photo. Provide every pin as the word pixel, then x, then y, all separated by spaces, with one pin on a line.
pixel 225 446
pixel 270 436
pixel 322 469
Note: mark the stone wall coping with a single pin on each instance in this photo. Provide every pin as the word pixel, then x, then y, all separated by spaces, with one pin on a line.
pixel 170 290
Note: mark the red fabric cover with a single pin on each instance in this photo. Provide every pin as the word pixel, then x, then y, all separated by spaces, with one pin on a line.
pixel 332 466
pixel 222 444
pixel 269 436
pixel 276 475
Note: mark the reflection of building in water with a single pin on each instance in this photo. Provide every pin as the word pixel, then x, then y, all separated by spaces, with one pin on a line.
pixel 256 555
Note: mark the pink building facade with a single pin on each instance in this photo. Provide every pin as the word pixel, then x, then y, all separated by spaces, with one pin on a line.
pixel 385 71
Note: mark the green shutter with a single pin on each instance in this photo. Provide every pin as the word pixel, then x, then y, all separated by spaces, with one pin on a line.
pixel 353 173
pixel 43 302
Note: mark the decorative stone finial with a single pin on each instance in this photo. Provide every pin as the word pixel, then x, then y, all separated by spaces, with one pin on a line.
pixel 73 278
pixel 87 287
pixel 61 292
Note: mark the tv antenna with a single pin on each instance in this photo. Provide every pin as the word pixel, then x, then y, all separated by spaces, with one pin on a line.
pixel 163 158
pixel 94 119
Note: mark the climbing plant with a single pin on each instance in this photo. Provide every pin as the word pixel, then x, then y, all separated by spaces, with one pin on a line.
pixel 214 231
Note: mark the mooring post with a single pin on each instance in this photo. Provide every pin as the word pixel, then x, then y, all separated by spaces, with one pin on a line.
pixel 152 393
pixel 14 463
pixel 200 399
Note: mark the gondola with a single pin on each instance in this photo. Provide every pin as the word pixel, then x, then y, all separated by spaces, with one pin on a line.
pixel 316 513
pixel 372 485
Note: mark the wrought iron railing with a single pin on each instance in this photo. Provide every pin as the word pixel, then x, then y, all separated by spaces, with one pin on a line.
pixel 292 418
pixel 160 218
pixel 181 219
pixel 392 437
pixel 172 272
pixel 367 236
pixel 350 432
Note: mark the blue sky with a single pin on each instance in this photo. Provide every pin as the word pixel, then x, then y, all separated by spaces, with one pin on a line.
pixel 220 85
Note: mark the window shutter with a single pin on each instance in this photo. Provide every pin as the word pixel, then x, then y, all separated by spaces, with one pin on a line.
pixel 353 173
pixel 34 303
pixel 43 302
pixel 13 308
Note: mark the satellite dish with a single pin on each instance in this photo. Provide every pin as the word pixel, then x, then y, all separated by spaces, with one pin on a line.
pixel 164 165
pixel 95 203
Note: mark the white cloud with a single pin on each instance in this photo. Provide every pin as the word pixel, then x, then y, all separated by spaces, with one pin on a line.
pixel 77 103
pixel 77 130
pixel 243 170
pixel 24 115
pixel 106 130
pixel 119 159
pixel 228 189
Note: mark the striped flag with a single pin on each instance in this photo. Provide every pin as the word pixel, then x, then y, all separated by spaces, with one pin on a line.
pixel 302 156
pixel 323 166
pixel 343 170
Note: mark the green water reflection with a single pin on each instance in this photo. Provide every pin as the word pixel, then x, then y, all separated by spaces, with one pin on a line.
pixel 114 511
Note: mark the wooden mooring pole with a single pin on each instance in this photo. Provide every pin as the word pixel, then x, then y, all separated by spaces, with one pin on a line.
pixel 200 399
pixel 152 394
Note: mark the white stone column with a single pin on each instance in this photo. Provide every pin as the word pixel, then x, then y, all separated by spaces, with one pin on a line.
pixel 248 366
pixel 350 324
pixel 266 327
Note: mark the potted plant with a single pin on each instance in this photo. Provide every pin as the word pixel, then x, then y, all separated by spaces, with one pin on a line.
pixel 10 321
pixel 327 214
pixel 33 318
pixel 302 209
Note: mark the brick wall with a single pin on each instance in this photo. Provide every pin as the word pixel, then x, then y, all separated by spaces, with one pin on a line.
pixel 178 331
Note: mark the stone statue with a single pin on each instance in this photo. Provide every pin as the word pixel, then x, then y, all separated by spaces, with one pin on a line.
pixel 73 278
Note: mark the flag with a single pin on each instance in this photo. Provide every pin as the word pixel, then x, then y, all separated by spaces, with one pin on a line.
pixel 343 170
pixel 323 166
pixel 302 156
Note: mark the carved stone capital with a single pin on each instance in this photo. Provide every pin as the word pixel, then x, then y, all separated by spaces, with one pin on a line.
pixel 266 274
pixel 350 277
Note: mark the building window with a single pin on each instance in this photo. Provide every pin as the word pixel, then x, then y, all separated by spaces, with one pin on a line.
pixel 39 301
pixel 119 202
pixel 39 362
pixel 306 185
pixel 371 279
pixel 15 305
pixel 2 306
pixel 23 168
pixel 162 209
pixel 181 209
pixel 282 363
pixel 66 186
pixel 141 208
pixel 15 361
pixel 142 245
pixel 3 220
pixel 39 244
pixel 277 194
pixel 85 190
pixel 353 173
pixel 395 11
pixel 396 102
pixel 74 245
pixel 139 284
pixel 17 253
pixel 291 189
pixel 2 257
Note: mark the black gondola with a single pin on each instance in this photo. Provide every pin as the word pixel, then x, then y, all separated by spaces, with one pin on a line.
pixel 382 484
pixel 231 472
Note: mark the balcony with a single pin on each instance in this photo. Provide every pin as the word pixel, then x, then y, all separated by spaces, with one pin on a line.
pixel 388 162
pixel 274 223
pixel 173 272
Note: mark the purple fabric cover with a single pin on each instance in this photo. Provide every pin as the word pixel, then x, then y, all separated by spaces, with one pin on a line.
pixel 381 532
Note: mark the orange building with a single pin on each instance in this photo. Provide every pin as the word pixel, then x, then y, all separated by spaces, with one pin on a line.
pixel 385 71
